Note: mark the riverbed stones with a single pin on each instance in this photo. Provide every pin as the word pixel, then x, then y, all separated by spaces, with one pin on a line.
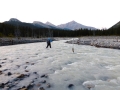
pixel 26 71
pixel 44 75
pixel 0 72
pixel 5 69
pixel 18 66
pixel 35 72
pixel 23 89
pixel 25 67
pixel 41 88
pixel 27 62
pixel 3 62
pixel 5 59
pixel 30 86
pixel 44 81
pixel 2 85
pixel 9 73
pixel 70 85
pixel 21 76
pixel 32 63
pixel 38 84
pixel 89 84
pixel 6 88
pixel 48 85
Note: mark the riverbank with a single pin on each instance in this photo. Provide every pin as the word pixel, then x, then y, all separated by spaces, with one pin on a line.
pixel 98 41
pixel 13 41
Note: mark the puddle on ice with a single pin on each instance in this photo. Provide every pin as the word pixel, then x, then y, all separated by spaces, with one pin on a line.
pixel 33 66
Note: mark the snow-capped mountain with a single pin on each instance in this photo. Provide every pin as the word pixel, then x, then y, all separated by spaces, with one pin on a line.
pixel 74 25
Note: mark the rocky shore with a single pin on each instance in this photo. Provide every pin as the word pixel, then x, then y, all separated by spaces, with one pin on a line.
pixel 13 41
pixel 98 41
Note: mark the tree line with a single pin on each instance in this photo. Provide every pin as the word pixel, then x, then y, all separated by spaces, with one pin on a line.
pixel 8 30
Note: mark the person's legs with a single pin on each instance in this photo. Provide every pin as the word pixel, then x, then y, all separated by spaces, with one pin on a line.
pixel 47 46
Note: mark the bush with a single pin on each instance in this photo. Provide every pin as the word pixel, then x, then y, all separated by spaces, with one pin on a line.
pixel 1 35
pixel 10 35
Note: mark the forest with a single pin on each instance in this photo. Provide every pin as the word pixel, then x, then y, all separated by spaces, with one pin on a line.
pixel 8 30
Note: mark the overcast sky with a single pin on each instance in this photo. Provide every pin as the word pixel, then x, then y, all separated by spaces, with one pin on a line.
pixel 95 13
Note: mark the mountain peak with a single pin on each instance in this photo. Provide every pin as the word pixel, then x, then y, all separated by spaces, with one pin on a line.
pixel 74 25
pixel 73 21
pixel 37 22
pixel 14 20
pixel 48 23
pixel 40 24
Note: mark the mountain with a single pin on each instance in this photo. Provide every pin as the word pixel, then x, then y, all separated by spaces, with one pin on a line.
pixel 117 25
pixel 36 24
pixel 74 25
pixel 16 22
pixel 48 23
pixel 45 25
pixel 56 27
pixel 40 24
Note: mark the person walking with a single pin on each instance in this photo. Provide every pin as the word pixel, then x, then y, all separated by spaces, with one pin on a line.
pixel 49 42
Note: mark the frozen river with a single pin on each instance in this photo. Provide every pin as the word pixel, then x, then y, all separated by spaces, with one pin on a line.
pixel 33 66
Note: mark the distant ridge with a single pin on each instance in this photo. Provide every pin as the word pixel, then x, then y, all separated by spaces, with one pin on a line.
pixel 40 24
pixel 16 22
pixel 46 25
pixel 73 25
pixel 35 24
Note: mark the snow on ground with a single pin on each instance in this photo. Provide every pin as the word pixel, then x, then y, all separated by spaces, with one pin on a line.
pixel 33 66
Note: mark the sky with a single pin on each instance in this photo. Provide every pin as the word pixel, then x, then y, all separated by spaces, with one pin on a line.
pixel 96 13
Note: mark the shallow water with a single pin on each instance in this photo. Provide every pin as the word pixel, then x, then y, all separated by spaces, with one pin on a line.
pixel 88 64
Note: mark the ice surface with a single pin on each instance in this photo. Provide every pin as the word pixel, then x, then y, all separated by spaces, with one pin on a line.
pixel 87 65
